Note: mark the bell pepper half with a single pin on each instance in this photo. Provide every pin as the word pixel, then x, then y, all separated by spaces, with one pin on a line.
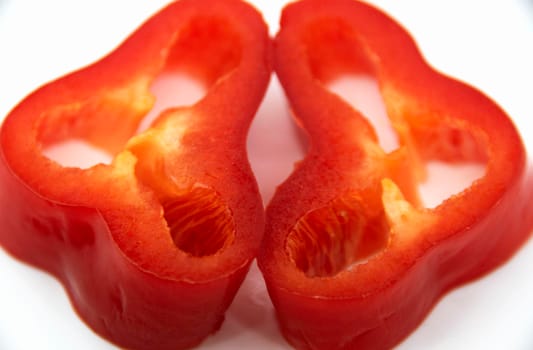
pixel 152 247
pixel 350 256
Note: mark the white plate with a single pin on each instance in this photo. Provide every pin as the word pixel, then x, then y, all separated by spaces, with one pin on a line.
pixel 488 44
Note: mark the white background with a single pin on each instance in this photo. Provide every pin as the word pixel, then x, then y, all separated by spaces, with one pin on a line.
pixel 486 43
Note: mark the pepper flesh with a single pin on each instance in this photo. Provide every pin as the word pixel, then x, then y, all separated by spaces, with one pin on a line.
pixel 351 258
pixel 152 247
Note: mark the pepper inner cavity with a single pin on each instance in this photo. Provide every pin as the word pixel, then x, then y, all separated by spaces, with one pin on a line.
pixel 198 220
pixel 333 238
pixel 191 66
pixel 338 60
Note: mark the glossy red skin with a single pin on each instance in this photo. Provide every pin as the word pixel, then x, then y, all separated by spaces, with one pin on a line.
pixel 99 230
pixel 377 303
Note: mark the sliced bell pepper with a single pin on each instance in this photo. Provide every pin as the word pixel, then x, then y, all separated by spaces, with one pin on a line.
pixel 152 247
pixel 350 256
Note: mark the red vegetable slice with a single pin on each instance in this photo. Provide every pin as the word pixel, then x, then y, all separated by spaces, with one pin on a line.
pixel 351 258
pixel 152 247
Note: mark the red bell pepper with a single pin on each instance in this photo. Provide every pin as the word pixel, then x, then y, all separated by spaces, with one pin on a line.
pixel 351 258
pixel 152 247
